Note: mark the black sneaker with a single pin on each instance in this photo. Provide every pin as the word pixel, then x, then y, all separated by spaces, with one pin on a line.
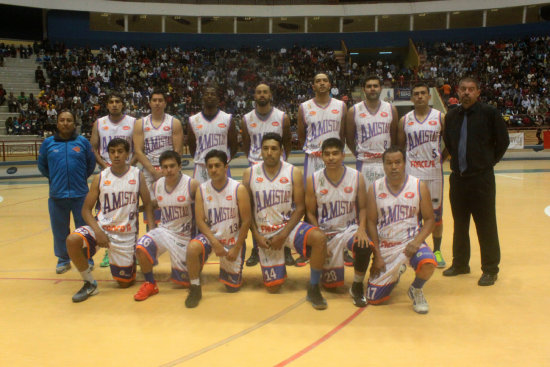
pixel 289 260
pixel 315 297
pixel 453 271
pixel 348 259
pixel 87 290
pixel 487 279
pixel 194 296
pixel 357 293
pixel 254 258
pixel 301 261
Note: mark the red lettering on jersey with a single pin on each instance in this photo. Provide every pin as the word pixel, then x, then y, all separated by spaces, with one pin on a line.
pixel 284 180
pixel 363 115
pixel 181 199
pixel 432 122
pixel 384 114
pixel 259 179
pixel 409 195
pixel 132 182
pixel 166 128
pixel 222 125
pixel 76 149
pixel 382 195
pixel 126 127
pixel 253 124
pixel 312 113
pixel 324 191
pixel 348 190
pixel 159 198
pixel 275 123
pixel 229 198
pixel 335 112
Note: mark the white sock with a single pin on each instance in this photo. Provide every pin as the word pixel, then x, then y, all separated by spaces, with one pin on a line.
pixel 196 281
pixel 358 278
pixel 87 275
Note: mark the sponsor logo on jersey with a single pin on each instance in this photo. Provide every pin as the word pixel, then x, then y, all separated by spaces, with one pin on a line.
pixel 409 195
pixel 105 127
pixel 410 123
pixel 199 127
pixel 335 112
pixel 283 180
pixel 275 123
pixel 181 199
pixel 432 122
pixel 166 128
pixel 147 128
pixel 76 149
pixel 253 124
pixel 222 125
pixel 348 190
pixel 106 183
pixel 132 182
pixel 363 115
pixel 382 195
pixel 312 113
pixel 229 197
pixel 126 127
pixel 209 198
pixel 159 198
pixel 384 114
pixel 259 179
pixel 324 191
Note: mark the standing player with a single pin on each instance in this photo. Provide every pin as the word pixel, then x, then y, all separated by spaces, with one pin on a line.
pixel 395 204
pixel 319 118
pixel 420 132
pixel 210 129
pixel 174 194
pixel 115 125
pixel 277 193
pixel 371 127
pixel 264 118
pixel 336 203
pixel 117 189
pixel 222 212
pixel 153 135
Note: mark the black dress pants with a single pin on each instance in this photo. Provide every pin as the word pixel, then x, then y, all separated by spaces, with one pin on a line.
pixel 475 196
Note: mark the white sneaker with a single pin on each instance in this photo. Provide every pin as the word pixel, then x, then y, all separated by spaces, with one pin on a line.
pixel 420 305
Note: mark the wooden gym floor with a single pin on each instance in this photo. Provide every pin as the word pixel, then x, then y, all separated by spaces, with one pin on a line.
pixel 503 325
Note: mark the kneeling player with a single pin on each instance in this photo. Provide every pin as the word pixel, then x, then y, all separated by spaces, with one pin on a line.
pixel 222 211
pixel 395 203
pixel 276 190
pixel 117 190
pixel 335 201
pixel 174 194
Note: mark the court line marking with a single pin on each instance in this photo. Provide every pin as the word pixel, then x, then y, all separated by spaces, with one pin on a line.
pixel 234 336
pixel 507 176
pixel 321 340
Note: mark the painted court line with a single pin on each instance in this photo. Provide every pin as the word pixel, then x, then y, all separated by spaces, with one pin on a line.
pixel 323 339
pixel 512 177
pixel 234 336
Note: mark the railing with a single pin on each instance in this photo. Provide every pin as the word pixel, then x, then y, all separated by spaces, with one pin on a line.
pixel 20 148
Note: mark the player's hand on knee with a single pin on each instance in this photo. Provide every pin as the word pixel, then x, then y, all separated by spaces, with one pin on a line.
pixel 102 240
pixel 233 253
pixel 219 250
pixel 276 242
pixel 262 242
pixel 411 249
pixel 361 238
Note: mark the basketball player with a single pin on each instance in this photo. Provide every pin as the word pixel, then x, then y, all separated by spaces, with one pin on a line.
pixel 210 129
pixel 277 193
pixel 115 125
pixel 262 119
pixel 395 204
pixel 420 132
pixel 336 203
pixel 174 194
pixel 222 212
pixel 371 127
pixel 319 118
pixel 153 135
pixel 117 189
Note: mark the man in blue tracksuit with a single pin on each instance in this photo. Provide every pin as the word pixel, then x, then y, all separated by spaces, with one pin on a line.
pixel 67 160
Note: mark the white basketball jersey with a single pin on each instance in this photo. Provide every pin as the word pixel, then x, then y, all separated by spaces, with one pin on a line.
pixel 210 134
pixel 273 203
pixel 423 145
pixel 398 213
pixel 176 206
pixel 321 122
pixel 118 201
pixel 257 127
pixel 157 139
pixel 336 202
pixel 222 211
pixel 109 130
pixel 372 131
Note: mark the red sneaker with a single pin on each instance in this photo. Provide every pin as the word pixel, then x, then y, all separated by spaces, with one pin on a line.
pixel 145 291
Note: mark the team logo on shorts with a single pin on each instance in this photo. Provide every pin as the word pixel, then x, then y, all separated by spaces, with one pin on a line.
pixel 181 199
pixel 126 127
pixel 106 183
pixel 159 198
pixel 382 195
pixel 229 197
pixel 166 128
pixel 363 115
pixel 253 124
pixel 284 180
pixel 384 114
pixel 324 191
pixel 335 112
pixel 312 113
pixel 132 182
pixel 275 123
pixel 147 128
pixel 222 125
pixel 348 190
pixel 432 122
pixel 409 195
pixel 76 149
pixel 122 273
pixel 259 179
pixel 199 127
